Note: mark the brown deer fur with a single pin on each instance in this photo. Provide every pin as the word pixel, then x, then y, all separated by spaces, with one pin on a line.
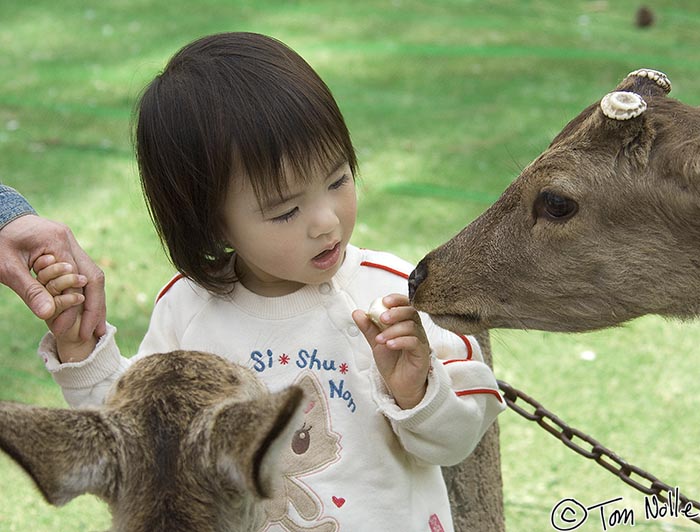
pixel 185 441
pixel 631 247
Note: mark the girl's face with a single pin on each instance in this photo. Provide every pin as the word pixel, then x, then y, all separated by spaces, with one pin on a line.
pixel 286 243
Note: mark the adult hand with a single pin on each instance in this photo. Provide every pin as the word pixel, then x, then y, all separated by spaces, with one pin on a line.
pixel 28 237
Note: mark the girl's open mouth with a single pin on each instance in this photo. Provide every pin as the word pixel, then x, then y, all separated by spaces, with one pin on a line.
pixel 328 258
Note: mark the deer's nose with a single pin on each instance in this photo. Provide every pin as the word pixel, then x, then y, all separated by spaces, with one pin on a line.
pixel 416 278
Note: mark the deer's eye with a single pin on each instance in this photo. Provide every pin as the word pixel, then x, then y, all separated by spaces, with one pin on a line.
pixel 554 206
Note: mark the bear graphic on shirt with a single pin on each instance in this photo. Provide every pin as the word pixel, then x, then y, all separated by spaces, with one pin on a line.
pixel 314 447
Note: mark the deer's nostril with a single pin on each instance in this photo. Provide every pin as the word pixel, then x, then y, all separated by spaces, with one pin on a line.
pixel 416 278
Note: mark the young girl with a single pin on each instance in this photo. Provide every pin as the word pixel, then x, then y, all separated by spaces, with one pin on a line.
pixel 248 172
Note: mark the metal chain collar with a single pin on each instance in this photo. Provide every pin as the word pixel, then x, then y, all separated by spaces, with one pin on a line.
pixel 594 450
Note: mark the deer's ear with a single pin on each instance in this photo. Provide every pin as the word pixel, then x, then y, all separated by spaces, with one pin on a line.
pixel 247 438
pixel 681 160
pixel 66 452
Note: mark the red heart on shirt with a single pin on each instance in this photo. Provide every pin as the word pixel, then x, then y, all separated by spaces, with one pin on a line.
pixel 338 501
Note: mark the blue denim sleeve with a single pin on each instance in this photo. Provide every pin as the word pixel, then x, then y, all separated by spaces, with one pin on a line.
pixel 12 205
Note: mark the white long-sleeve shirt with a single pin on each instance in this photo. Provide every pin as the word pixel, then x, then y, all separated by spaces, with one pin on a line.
pixel 358 462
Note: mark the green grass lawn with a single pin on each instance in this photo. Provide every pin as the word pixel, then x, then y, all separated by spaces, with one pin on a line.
pixel 446 101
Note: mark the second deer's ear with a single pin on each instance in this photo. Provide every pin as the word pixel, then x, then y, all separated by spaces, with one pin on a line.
pixel 247 437
pixel 66 452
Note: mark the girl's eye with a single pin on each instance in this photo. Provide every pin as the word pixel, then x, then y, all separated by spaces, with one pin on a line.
pixel 337 184
pixel 287 216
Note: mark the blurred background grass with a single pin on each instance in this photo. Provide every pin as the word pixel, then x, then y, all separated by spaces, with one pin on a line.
pixel 446 101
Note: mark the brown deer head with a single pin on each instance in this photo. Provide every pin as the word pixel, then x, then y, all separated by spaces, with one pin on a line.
pixel 602 227
pixel 185 441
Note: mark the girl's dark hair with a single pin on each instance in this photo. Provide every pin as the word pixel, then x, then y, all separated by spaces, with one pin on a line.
pixel 231 103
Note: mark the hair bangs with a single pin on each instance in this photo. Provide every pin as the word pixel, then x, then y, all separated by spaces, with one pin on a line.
pixel 292 132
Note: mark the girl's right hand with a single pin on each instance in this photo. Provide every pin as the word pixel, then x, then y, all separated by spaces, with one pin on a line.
pixel 401 351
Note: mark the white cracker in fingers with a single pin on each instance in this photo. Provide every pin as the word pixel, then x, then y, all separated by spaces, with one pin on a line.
pixel 376 309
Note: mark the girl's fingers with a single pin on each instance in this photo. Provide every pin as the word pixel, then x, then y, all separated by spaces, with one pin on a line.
pixel 404 343
pixel 367 328
pixel 399 314
pixel 396 300
pixel 68 300
pixel 52 271
pixel 57 276
pixel 402 328
pixel 59 285
pixel 43 262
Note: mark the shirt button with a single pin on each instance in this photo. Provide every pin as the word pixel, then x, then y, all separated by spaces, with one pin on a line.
pixel 353 331
pixel 325 288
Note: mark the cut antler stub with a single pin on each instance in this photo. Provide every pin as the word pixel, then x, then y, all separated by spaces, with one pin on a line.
pixel 622 105
pixel 654 75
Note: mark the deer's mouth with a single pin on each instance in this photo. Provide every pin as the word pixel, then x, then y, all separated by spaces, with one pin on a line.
pixel 460 323
pixel 473 323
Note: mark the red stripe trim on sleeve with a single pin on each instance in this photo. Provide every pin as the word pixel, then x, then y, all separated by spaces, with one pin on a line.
pixel 383 267
pixel 453 360
pixel 478 391
pixel 470 352
pixel 168 286
pixel 468 344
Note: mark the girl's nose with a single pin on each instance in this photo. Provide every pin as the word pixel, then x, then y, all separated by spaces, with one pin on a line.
pixel 324 221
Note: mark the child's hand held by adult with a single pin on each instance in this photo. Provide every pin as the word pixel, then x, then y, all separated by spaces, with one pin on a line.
pixel 60 281
pixel 26 238
pixel 66 288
